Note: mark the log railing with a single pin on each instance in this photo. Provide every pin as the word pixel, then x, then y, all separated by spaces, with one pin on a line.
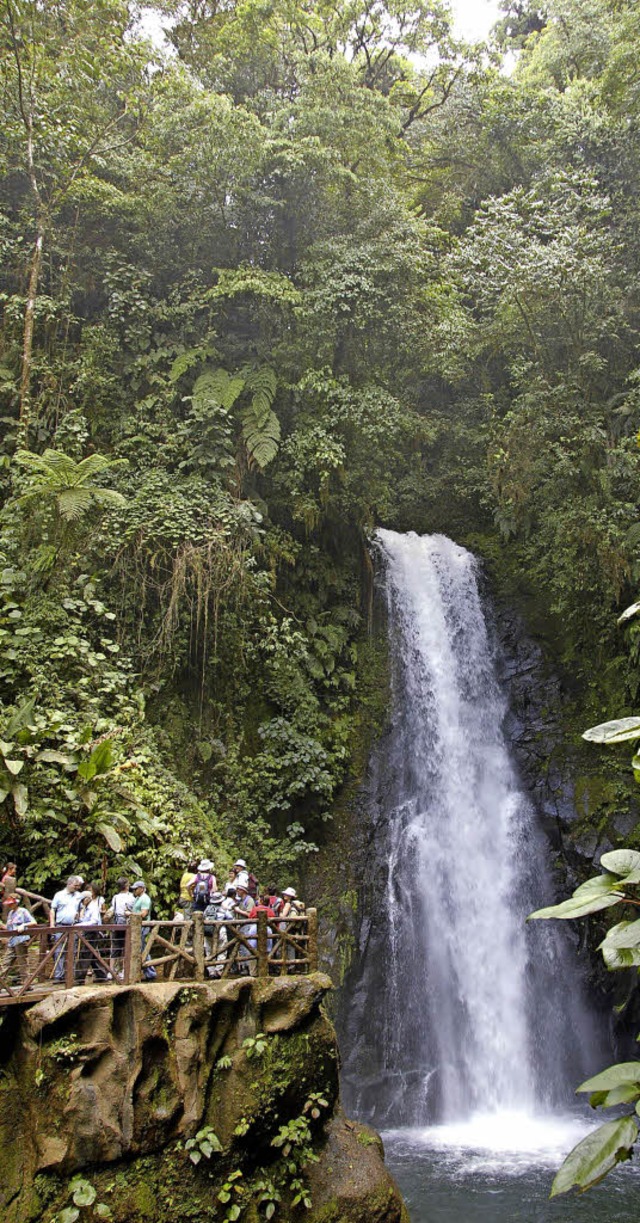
pixel 63 956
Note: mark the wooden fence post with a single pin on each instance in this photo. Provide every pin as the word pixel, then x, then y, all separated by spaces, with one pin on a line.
pixel 44 971
pixel 70 958
pixel 132 967
pixel 262 969
pixel 312 943
pixel 198 944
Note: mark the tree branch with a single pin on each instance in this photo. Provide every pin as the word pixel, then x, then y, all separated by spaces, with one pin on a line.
pixel 417 113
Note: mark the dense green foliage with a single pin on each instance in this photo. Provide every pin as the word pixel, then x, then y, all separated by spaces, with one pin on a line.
pixel 318 268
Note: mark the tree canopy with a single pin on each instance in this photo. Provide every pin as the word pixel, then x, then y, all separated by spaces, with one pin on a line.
pixel 311 269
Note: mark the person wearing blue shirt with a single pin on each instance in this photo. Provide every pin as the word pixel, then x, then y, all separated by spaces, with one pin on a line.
pixel 17 946
pixel 64 912
pixel 142 905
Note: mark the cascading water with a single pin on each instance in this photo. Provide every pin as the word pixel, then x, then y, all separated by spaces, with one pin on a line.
pixel 460 1008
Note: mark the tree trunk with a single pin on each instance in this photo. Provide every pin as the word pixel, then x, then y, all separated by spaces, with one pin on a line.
pixel 27 343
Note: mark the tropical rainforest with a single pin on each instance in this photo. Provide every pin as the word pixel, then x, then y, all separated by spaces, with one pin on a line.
pixel 305 268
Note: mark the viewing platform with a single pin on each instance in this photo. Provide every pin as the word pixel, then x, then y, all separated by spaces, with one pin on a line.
pixel 62 957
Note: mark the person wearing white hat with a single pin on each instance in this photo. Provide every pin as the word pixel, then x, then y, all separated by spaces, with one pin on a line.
pixel 244 902
pixel 239 874
pixel 291 907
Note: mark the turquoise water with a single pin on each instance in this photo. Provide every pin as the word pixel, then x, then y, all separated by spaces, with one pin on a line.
pixel 462 1175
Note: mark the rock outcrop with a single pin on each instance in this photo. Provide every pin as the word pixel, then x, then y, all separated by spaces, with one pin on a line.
pixel 109 1083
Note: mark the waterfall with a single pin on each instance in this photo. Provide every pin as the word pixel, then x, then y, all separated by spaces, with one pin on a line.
pixel 460 1007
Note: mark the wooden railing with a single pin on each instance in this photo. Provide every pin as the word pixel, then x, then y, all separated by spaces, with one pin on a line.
pixel 64 956
pixel 38 905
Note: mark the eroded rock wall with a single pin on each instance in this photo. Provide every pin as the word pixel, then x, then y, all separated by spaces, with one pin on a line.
pixel 111 1082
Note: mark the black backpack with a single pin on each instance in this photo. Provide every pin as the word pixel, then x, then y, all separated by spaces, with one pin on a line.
pixel 212 913
pixel 202 890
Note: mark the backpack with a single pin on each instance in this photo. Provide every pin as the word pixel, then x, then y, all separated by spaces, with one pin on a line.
pixel 212 913
pixel 253 886
pixel 202 889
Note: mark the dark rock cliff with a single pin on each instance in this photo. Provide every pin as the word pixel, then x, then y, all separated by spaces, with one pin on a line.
pixel 111 1083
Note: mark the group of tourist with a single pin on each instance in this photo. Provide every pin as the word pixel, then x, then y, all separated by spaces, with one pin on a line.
pixel 79 904
pixel 240 900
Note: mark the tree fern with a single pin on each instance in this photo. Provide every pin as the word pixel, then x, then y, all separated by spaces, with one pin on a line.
pixel 68 483
pixel 217 391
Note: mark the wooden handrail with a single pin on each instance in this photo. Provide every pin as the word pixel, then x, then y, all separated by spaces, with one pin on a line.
pixel 259 946
pixel 35 900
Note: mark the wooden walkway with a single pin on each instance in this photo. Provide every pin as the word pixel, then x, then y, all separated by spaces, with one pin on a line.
pixel 61 957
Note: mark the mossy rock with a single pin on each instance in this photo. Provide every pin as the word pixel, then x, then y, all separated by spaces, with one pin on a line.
pixel 143 1074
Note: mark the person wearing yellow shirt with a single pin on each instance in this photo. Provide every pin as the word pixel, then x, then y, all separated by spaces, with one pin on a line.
pixel 186 890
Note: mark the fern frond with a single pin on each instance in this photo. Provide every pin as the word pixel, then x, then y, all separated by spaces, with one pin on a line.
pixel 48 464
pixel 94 465
pixel 261 437
pixel 107 496
pixel 215 388
pixel 262 385
pixel 262 381
pixel 73 503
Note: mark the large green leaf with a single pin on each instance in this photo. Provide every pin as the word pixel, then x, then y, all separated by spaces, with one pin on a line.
pixel 623 1094
pixel 596 1155
pixel 68 1215
pixel 625 934
pixel 50 756
pixel 613 1076
pixel 262 385
pixel 110 835
pixel 620 957
pixel 629 613
pixel 622 862
pixel 14 766
pixel 620 731
pixel 74 502
pixel 83 1192
pixel 21 718
pixel 577 906
pixel 20 799
pixel 99 761
pixel 599 885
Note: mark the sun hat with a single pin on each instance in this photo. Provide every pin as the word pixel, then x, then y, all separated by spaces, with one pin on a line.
pixel 205 865
pixel 216 898
pixel 289 892
pixel 241 862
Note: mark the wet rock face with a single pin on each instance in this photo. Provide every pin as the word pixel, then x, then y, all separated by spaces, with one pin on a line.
pixel 106 1078
pixel 573 785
